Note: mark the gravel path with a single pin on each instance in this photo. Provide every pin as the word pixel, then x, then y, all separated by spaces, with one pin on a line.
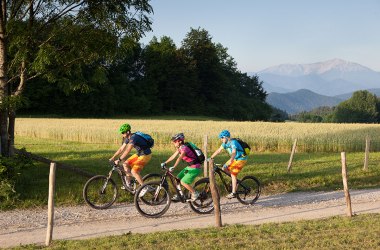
pixel 79 222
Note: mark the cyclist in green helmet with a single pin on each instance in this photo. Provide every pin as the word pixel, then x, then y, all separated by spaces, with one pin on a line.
pixel 135 163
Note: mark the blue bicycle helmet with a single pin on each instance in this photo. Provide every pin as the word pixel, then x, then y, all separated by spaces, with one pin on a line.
pixel 224 133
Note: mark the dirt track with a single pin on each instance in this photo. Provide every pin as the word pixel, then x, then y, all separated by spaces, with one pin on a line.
pixel 29 226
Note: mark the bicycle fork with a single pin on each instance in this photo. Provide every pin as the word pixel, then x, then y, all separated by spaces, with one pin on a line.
pixel 102 191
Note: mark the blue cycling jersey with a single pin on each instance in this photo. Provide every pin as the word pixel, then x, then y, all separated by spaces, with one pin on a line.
pixel 140 144
pixel 233 144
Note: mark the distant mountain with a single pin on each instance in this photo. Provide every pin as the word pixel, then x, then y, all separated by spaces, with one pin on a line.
pixel 301 100
pixel 331 78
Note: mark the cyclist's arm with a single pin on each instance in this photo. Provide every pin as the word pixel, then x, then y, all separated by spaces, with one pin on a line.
pixel 172 157
pixel 233 154
pixel 217 152
pixel 126 152
pixel 179 159
pixel 121 149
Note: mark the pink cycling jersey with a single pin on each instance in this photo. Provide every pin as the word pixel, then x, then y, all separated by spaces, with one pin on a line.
pixel 189 156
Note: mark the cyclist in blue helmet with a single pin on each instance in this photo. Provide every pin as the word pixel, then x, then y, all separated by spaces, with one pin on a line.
pixel 237 158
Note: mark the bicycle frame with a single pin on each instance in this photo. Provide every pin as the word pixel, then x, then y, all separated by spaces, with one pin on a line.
pixel 219 171
pixel 120 172
pixel 174 181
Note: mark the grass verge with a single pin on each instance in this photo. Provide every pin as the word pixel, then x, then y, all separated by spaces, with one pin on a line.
pixel 333 233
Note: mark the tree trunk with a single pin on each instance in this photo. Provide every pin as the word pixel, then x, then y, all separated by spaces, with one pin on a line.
pixel 11 131
pixel 3 85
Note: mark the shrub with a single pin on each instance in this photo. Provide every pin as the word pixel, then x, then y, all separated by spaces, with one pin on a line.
pixel 10 169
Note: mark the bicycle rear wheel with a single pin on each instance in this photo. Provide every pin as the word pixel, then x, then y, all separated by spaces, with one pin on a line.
pixel 248 190
pixel 204 204
pixel 100 192
pixel 154 202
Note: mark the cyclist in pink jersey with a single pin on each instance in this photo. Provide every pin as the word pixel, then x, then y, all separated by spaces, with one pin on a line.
pixel 189 173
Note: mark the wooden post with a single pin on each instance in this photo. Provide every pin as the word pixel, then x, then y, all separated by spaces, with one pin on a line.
pixel 366 155
pixel 205 142
pixel 215 195
pixel 292 155
pixel 49 233
pixel 345 185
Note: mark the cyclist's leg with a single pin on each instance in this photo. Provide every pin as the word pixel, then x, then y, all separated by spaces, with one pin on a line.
pixel 189 178
pixel 235 167
pixel 127 170
pixel 138 163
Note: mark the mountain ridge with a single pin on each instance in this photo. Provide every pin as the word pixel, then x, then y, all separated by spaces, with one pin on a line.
pixel 330 78
pixel 307 100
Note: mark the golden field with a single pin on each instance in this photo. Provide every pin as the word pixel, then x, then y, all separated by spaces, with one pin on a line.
pixel 262 136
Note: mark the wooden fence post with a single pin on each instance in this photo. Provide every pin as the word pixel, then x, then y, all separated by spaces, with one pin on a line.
pixel 215 195
pixel 345 185
pixel 366 155
pixel 50 225
pixel 292 155
pixel 205 142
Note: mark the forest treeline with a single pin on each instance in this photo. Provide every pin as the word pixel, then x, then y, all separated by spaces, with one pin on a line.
pixel 197 78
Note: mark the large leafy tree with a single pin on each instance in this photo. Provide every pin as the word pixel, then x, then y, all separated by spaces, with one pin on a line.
pixel 174 80
pixel 70 42
pixel 223 89
pixel 362 107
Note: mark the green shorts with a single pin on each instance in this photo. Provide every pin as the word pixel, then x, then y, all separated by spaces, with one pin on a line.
pixel 188 174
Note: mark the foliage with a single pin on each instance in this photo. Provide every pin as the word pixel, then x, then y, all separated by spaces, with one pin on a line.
pixel 278 115
pixel 362 107
pixel 10 171
pixel 68 43
pixel 198 78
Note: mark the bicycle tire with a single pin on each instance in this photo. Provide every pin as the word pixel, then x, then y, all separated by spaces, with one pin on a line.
pixel 248 190
pixel 204 204
pixel 97 195
pixel 152 204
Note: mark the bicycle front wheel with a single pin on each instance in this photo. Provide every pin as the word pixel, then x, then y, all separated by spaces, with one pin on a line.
pixel 204 204
pixel 100 192
pixel 248 190
pixel 152 200
pixel 151 177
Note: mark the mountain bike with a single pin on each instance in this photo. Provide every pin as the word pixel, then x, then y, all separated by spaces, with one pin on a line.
pixel 101 191
pixel 248 188
pixel 155 200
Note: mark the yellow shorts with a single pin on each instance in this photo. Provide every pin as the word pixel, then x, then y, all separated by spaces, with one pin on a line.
pixel 236 166
pixel 137 163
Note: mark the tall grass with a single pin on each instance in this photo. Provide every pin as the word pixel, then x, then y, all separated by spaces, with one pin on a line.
pixel 262 136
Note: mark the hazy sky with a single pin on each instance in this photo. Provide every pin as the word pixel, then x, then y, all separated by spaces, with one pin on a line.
pixel 260 34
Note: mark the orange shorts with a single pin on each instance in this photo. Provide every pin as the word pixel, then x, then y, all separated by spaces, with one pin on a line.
pixel 137 163
pixel 236 166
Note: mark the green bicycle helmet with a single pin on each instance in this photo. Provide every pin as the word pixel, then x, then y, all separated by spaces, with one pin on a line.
pixel 125 128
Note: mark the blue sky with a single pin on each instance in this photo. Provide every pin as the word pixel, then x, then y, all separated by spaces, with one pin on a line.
pixel 260 34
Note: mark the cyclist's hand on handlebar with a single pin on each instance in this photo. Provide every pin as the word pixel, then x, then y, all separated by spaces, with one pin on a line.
pixel 225 166
pixel 171 169
pixel 163 165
